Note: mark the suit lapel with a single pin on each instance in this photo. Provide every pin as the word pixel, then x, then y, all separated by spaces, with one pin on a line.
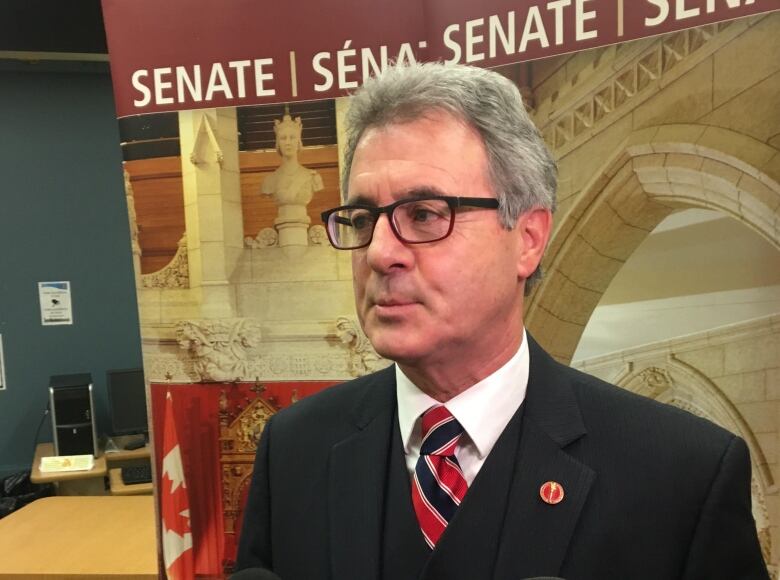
pixel 536 535
pixel 357 479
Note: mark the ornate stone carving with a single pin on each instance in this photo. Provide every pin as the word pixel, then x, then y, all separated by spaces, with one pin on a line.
pixel 318 236
pixel 239 433
pixel 205 142
pixel 362 357
pixel 654 381
pixel 218 348
pixel 267 238
pixel 160 368
pixel 287 358
pixel 134 230
pixel 300 366
pixel 690 407
pixel 567 124
pixel 234 478
pixel 175 275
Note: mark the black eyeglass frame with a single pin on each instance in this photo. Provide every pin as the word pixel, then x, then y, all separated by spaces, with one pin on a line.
pixel 454 202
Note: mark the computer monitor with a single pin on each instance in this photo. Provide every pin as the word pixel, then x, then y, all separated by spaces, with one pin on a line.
pixel 127 399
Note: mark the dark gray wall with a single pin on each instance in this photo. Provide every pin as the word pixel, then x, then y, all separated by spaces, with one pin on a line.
pixel 63 216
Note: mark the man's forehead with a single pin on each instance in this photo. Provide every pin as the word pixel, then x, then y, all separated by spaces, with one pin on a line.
pixel 358 198
pixel 439 153
pixel 398 179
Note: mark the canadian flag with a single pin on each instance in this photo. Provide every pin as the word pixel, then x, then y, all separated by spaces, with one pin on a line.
pixel 176 531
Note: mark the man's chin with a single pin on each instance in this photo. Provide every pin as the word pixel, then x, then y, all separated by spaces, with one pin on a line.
pixel 394 349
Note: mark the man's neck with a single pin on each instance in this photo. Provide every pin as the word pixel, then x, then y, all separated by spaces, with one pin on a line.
pixel 444 380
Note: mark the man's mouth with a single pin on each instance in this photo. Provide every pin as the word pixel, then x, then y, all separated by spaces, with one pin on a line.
pixel 392 307
pixel 392 302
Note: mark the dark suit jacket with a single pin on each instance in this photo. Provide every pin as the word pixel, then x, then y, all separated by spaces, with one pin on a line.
pixel 651 492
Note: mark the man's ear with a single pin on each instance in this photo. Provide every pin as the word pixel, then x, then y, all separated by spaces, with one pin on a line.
pixel 533 229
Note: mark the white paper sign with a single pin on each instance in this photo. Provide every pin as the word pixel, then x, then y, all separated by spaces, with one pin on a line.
pixel 55 303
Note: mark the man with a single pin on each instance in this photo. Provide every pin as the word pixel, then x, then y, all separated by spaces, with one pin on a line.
pixel 476 455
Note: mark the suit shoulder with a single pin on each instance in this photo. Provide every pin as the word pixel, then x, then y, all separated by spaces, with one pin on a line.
pixel 641 415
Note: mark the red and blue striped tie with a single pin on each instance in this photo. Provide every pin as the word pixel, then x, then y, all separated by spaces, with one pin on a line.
pixel 438 486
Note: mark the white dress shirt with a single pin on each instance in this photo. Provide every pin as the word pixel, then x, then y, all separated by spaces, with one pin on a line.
pixel 483 410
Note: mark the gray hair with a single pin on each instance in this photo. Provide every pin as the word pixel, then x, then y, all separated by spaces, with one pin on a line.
pixel 522 170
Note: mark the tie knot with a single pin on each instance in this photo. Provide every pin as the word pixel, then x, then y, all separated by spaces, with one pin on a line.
pixel 440 432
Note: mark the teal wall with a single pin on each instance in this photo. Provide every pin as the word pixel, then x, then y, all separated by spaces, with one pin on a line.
pixel 63 216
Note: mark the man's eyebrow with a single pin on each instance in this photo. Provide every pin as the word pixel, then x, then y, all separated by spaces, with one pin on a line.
pixel 423 191
pixel 411 193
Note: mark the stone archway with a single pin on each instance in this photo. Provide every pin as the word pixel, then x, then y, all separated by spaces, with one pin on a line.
pixel 657 171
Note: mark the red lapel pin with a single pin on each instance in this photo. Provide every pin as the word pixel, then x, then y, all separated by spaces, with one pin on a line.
pixel 551 492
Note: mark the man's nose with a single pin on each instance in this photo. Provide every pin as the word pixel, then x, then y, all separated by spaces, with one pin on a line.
pixel 386 250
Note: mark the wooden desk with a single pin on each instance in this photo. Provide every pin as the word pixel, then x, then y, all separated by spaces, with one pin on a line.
pixel 89 482
pixel 91 537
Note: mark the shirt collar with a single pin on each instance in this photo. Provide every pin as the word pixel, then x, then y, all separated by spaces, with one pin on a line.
pixel 483 410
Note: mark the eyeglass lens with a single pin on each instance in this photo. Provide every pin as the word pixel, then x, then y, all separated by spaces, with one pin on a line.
pixel 424 220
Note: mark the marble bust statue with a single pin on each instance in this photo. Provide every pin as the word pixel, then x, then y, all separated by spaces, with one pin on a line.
pixel 292 185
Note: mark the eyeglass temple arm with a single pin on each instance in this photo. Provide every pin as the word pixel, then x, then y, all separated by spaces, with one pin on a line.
pixel 489 202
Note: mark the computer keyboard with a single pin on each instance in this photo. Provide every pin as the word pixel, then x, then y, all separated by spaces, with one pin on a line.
pixel 137 474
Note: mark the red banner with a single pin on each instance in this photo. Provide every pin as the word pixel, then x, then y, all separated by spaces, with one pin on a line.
pixel 177 55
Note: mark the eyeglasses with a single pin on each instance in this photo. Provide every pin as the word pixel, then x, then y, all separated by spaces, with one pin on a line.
pixel 414 221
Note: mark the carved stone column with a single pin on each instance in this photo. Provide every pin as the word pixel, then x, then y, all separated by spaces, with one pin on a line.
pixel 212 205
pixel 133 221
pixel 342 106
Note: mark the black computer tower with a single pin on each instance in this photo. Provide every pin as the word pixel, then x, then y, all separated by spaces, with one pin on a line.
pixel 72 415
